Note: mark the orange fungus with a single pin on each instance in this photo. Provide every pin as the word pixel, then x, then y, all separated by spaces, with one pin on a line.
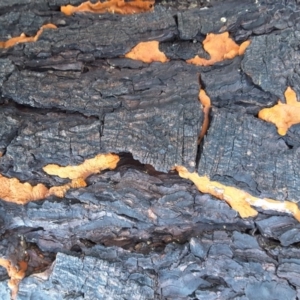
pixel 206 104
pixel 283 115
pixel 220 47
pixel 25 39
pixel 16 274
pixel 79 173
pixel 12 190
pixel 147 52
pixel 88 167
pixel 239 200
pixel 111 6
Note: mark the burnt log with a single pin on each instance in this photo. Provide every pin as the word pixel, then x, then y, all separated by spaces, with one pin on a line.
pixel 140 231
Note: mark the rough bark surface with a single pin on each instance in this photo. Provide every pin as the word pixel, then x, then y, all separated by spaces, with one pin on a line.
pixel 242 151
pixel 140 231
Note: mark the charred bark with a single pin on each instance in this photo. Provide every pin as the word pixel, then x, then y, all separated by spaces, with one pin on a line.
pixel 140 231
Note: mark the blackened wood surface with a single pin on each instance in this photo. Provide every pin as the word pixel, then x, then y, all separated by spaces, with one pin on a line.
pixel 276 54
pixel 232 89
pixel 149 215
pixel 30 139
pixel 160 102
pixel 241 150
pixel 135 232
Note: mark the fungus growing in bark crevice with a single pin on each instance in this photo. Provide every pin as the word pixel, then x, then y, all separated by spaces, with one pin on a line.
pixel 147 52
pixel 220 47
pixel 79 173
pixel 16 274
pixel 206 105
pixel 60 191
pixel 89 166
pixel 111 6
pixel 25 39
pixel 239 200
pixel 283 115
pixel 12 190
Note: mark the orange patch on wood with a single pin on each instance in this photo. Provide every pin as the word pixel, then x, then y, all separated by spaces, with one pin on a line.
pixel 25 39
pixel 16 274
pixel 147 52
pixel 239 200
pixel 60 191
pixel 206 105
pixel 79 173
pixel 12 190
pixel 283 115
pixel 220 47
pixel 88 167
pixel 111 6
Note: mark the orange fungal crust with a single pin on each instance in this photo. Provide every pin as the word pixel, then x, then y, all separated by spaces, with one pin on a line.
pixel 60 191
pixel 25 39
pixel 283 115
pixel 220 47
pixel 206 104
pixel 79 173
pixel 16 274
pixel 239 200
pixel 111 6
pixel 12 190
pixel 147 52
pixel 88 167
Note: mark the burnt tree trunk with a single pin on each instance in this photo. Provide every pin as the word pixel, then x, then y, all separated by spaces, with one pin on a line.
pixel 140 231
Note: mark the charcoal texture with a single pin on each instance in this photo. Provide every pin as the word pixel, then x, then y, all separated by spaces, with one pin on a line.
pixel 30 141
pixel 115 274
pixel 140 231
pixel 129 204
pixel 244 151
pixel 270 61
pixel 162 108
pixel 228 87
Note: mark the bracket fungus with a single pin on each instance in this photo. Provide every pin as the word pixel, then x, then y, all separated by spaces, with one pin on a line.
pixel 147 52
pixel 25 39
pixel 283 115
pixel 111 6
pixel 220 47
pixel 239 200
